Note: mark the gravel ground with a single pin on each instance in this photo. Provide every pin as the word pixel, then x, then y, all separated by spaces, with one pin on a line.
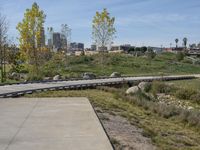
pixel 124 135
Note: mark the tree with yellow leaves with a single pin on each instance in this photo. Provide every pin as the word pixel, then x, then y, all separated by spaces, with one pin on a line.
pixel 103 28
pixel 30 39
pixel 103 32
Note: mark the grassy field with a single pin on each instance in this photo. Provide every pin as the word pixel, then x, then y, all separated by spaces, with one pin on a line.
pixel 165 63
pixel 165 133
pixel 188 84
pixel 104 65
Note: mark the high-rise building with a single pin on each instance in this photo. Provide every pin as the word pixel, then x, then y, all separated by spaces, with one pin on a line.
pixel 63 41
pixel 56 40
pixel 50 37
pixel 59 40
pixel 93 47
pixel 81 46
pixel 42 37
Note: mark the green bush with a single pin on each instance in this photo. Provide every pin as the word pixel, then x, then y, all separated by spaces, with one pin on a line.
pixel 35 74
pixel 148 87
pixel 180 56
pixel 197 62
pixel 188 61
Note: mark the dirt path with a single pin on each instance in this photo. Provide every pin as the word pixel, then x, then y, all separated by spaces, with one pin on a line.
pixel 124 136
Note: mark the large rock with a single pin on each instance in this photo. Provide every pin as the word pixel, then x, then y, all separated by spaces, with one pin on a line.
pixel 143 85
pixel 14 76
pixel 88 75
pixel 132 90
pixel 57 77
pixel 115 74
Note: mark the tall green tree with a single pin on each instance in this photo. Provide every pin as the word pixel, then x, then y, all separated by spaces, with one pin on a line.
pixel 103 28
pixel 30 30
pixel 185 40
pixel 176 41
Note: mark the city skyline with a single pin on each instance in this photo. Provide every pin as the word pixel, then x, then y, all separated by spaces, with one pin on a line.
pixel 138 22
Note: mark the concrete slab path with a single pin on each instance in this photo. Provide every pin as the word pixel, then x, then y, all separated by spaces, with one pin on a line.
pixel 50 124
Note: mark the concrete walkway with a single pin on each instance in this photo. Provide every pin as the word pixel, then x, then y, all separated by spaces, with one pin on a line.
pixel 50 124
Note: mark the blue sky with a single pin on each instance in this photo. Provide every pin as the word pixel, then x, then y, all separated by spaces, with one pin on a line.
pixel 138 22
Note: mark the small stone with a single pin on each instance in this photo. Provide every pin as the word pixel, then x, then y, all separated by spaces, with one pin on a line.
pixel 57 77
pixel 190 108
pixel 115 74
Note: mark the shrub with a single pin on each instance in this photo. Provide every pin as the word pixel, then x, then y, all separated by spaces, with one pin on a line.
pixel 34 77
pixel 184 115
pixel 197 62
pixel 168 111
pixel 147 87
pixel 150 54
pixel 194 118
pixel 185 94
pixel 188 61
pixel 34 74
pixel 180 56
pixel 160 87
pixel 196 97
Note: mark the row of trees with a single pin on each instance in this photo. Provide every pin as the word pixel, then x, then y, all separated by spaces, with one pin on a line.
pixel 185 40
pixel 31 50
pixel 31 27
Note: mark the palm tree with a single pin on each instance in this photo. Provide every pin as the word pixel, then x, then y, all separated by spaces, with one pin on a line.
pixel 176 40
pixel 185 42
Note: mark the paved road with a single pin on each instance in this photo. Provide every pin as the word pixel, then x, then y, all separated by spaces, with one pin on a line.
pixel 10 89
pixel 50 124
